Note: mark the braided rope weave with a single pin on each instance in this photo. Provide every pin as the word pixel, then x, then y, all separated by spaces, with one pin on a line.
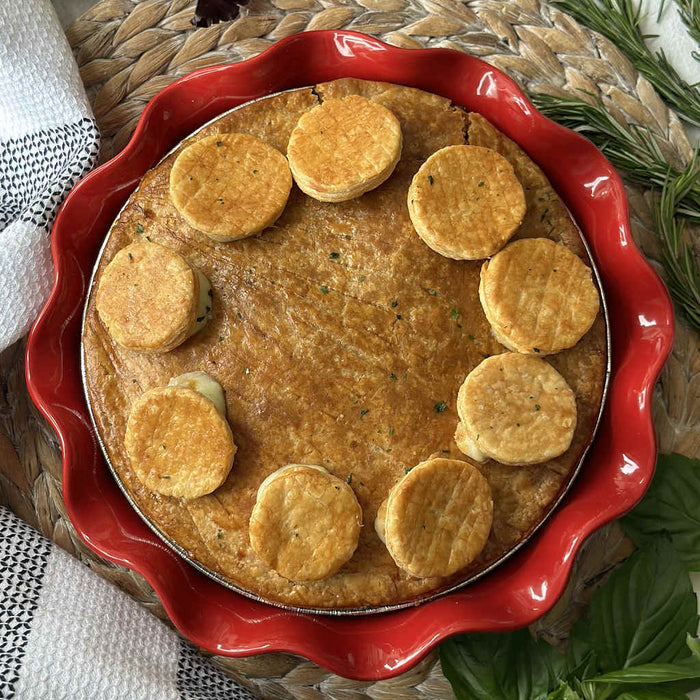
pixel 128 50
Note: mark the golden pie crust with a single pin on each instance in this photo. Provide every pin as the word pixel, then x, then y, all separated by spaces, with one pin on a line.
pixel 341 340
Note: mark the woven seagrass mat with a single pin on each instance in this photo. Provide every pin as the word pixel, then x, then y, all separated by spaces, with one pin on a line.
pixel 128 50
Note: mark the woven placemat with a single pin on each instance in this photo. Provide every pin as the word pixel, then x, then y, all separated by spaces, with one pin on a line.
pixel 128 50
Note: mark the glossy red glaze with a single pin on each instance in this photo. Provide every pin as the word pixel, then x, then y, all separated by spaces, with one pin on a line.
pixel 617 471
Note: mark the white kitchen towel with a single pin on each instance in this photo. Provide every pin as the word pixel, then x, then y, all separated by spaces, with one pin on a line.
pixel 66 633
pixel 48 141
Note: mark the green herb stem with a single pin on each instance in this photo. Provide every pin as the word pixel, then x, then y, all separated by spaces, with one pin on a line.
pixel 678 257
pixel 689 11
pixel 635 152
pixel 630 148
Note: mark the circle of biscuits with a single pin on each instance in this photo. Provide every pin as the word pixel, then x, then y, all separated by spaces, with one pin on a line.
pixel 148 297
pixel 465 202
pixel 516 409
pixel 438 517
pixel 538 296
pixel 230 186
pixel 178 443
pixel 305 523
pixel 343 148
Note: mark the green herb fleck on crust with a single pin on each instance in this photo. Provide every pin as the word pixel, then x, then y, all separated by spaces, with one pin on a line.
pixel 439 407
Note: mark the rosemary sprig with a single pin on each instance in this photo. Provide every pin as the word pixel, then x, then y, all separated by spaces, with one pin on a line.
pixel 689 11
pixel 632 149
pixel 678 256
pixel 619 20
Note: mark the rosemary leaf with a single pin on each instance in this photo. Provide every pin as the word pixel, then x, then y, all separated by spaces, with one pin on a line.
pixel 619 20
pixel 678 256
pixel 632 149
pixel 689 10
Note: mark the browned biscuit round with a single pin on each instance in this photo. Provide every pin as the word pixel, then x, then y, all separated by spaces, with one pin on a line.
pixel 465 202
pixel 148 298
pixel 344 148
pixel 538 296
pixel 178 443
pixel 515 409
pixel 305 523
pixel 230 186
pixel 438 517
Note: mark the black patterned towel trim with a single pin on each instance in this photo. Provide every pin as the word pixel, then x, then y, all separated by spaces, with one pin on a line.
pixel 199 679
pixel 39 169
pixel 24 555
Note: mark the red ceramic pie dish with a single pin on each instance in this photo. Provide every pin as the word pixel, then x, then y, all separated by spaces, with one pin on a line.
pixel 617 470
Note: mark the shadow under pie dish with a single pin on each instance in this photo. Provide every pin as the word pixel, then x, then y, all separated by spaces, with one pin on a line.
pixel 340 339
pixel 355 648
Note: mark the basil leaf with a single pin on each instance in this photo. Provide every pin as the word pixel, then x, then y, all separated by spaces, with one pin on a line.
pixel 644 611
pixel 510 666
pixel 581 661
pixel 653 673
pixel 687 668
pixel 671 505
pixel 653 694
pixel 564 692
